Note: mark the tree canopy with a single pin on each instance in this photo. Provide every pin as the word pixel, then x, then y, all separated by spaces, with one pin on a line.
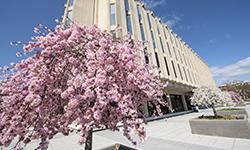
pixel 81 76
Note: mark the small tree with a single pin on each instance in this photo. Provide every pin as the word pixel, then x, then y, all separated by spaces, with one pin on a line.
pixel 80 76
pixel 209 96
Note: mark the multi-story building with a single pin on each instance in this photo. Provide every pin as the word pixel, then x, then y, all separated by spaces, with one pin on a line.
pixel 177 62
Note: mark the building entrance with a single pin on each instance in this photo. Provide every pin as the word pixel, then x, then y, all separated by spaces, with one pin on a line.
pixel 177 104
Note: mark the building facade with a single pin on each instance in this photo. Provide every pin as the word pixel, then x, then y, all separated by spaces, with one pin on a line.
pixel 177 62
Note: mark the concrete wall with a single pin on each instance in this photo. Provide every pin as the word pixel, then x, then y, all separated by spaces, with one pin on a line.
pixel 225 128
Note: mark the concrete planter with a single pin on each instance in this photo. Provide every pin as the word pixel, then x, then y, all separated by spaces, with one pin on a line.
pixel 225 128
pixel 118 147
pixel 240 112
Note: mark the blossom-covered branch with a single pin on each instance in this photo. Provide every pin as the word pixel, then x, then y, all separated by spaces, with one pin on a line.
pixel 81 76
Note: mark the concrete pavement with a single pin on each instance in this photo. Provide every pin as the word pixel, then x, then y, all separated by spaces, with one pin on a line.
pixel 167 134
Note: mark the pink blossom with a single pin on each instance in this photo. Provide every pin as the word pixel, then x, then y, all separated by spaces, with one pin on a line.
pixel 79 75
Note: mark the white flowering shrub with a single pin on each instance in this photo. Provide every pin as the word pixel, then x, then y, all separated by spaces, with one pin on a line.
pixel 210 96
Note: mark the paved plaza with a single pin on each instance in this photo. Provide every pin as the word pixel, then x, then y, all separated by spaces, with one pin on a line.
pixel 166 134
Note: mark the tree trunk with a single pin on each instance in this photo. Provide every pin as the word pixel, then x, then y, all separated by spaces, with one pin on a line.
pixel 215 113
pixel 88 144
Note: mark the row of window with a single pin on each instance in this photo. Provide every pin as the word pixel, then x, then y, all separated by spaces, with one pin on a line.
pixel 176 52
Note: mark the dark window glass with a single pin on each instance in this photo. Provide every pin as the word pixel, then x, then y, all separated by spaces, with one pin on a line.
pixel 146 59
pixel 126 5
pixel 161 45
pixel 138 12
pixel 185 74
pixel 149 22
pixel 175 53
pixel 177 103
pixel 164 30
pixel 166 66
pixel 113 33
pixel 180 56
pixel 180 72
pixel 184 59
pixel 170 35
pixel 174 69
pixel 142 33
pixel 129 26
pixel 112 14
pixel 169 50
pixel 153 39
pixel 157 60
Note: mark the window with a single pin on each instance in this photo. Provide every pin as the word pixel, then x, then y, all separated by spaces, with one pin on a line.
pixel 71 2
pixel 193 76
pixel 151 32
pixel 161 45
pixel 174 69
pixel 180 56
pixel 160 39
pixel 142 32
pixel 157 60
pixel 113 32
pixel 138 12
pixel 175 53
pixel 184 59
pixel 180 72
pixel 166 66
pixel 170 35
pixel 129 25
pixel 176 42
pixel 190 76
pixel 153 39
pixel 164 30
pixel 146 57
pixel 69 18
pixel 127 5
pixel 185 74
pixel 128 17
pixel 112 14
pixel 169 50
pixel 141 26
pixel 69 14
pixel 149 22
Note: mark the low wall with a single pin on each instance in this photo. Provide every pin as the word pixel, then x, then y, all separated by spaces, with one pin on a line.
pixel 224 128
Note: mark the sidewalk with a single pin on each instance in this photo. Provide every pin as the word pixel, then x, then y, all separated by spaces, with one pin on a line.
pixel 167 134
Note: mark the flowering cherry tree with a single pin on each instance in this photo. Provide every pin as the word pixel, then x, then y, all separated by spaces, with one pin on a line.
pixel 210 96
pixel 81 76
pixel 236 98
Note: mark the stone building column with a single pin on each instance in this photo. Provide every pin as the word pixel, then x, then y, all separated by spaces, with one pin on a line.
pixel 184 102
pixel 170 106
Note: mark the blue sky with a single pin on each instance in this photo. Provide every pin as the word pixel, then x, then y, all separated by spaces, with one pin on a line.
pixel 219 31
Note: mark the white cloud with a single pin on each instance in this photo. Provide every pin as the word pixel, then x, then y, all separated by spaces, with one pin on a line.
pixel 233 71
pixel 154 3
pixel 173 21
